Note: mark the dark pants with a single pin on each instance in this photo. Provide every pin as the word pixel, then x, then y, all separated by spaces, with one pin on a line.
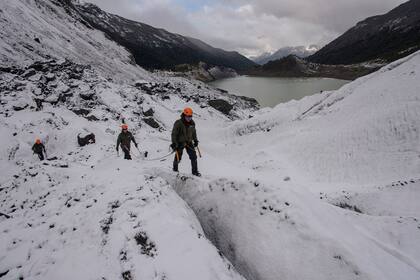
pixel 126 153
pixel 193 157
pixel 41 156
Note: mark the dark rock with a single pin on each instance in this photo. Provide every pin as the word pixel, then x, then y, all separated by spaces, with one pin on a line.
pixel 62 98
pixel 29 73
pixel 86 140
pixel 345 205
pixel 221 105
pixel 39 66
pixel 20 107
pixel 87 95
pixel 249 99
pixel 4 273
pixel 149 113
pixel 37 40
pixel 50 77
pixel 38 102
pixel 92 118
pixel 126 275
pixel 147 246
pixel 7 69
pixel 151 122
pixel 81 112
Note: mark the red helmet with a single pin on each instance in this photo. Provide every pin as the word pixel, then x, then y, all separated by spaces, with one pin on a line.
pixel 38 141
pixel 124 126
pixel 188 112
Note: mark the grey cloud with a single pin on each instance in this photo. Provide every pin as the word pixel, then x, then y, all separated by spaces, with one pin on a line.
pixel 334 15
pixel 158 13
pixel 253 26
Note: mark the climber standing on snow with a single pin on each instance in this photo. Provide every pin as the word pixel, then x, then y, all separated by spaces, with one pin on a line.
pixel 39 149
pixel 124 139
pixel 184 135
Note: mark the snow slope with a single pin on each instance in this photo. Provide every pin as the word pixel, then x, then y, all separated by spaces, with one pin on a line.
pixel 86 205
pixel 322 188
pixel 368 130
pixel 38 30
pixel 356 148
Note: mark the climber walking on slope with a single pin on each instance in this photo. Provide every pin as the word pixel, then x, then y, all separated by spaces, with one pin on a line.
pixel 184 135
pixel 124 139
pixel 39 149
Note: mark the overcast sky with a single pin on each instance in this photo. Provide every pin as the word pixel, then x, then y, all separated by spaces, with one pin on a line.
pixel 251 26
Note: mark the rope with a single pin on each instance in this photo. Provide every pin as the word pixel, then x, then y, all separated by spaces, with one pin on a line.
pixel 160 158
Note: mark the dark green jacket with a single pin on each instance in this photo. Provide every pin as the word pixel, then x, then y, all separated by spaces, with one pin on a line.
pixel 38 148
pixel 183 134
pixel 124 139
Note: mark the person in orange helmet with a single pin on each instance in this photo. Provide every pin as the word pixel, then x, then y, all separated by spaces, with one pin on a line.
pixel 124 140
pixel 184 135
pixel 39 149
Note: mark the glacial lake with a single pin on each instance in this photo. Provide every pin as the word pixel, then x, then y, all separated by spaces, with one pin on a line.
pixel 271 91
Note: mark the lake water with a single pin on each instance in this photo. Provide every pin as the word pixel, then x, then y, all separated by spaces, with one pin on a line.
pixel 271 91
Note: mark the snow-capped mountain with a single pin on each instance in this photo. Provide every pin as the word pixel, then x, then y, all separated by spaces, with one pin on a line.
pixel 299 51
pixel 323 188
pixel 155 48
pixel 383 37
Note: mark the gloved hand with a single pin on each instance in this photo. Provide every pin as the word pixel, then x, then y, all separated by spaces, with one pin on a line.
pixel 195 143
pixel 117 149
pixel 173 146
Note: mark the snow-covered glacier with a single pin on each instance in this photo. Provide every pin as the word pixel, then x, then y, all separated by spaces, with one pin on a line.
pixel 322 188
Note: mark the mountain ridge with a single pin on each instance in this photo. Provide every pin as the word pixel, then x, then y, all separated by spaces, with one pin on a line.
pixel 156 48
pixel 384 37
pixel 292 67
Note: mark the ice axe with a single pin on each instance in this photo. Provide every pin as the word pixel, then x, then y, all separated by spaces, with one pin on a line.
pixel 199 152
pixel 177 155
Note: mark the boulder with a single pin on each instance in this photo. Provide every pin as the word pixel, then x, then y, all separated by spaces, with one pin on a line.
pixel 50 77
pixel 149 113
pixel 221 105
pixel 87 95
pixel 151 122
pixel 86 140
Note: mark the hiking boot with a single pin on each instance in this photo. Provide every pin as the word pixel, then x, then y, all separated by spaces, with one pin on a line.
pixel 175 169
pixel 198 174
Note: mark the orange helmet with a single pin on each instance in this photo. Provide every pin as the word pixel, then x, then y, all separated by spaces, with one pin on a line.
pixel 124 126
pixel 188 112
pixel 38 141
